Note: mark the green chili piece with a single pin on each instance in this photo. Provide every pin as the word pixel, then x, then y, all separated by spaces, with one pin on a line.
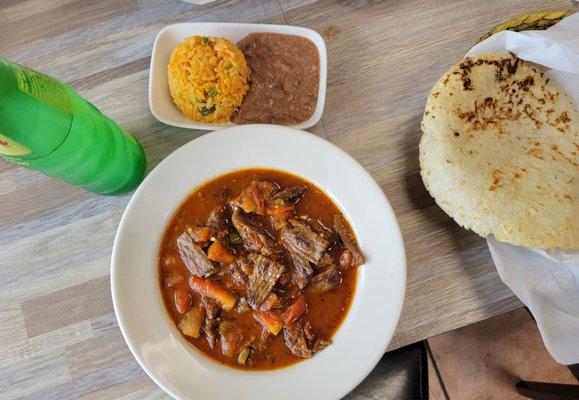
pixel 207 111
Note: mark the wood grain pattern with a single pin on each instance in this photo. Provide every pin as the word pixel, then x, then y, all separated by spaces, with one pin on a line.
pixel 58 335
pixel 82 302
pixel 99 353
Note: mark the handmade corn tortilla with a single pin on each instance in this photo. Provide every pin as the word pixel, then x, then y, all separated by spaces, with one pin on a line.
pixel 500 149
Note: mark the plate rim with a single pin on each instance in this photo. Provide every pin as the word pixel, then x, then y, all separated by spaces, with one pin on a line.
pixel 183 149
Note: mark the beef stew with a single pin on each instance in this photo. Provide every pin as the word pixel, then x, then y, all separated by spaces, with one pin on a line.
pixel 258 269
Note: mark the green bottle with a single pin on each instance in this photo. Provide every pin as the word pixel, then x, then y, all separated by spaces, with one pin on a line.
pixel 46 126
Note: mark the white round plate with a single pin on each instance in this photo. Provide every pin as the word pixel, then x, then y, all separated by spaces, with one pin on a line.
pixel 366 331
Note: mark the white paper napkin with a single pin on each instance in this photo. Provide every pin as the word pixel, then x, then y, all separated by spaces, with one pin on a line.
pixel 546 281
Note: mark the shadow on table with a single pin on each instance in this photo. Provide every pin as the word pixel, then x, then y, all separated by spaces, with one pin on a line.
pixel 468 247
pixel 401 374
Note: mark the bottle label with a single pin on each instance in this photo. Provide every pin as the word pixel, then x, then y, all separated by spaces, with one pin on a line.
pixel 44 88
pixel 9 147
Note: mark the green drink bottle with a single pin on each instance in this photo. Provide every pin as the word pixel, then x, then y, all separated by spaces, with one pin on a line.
pixel 46 126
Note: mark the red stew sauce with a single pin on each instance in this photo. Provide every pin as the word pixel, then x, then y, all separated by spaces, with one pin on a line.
pixel 253 271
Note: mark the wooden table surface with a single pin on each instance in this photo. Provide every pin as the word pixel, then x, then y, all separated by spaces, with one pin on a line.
pixel 58 335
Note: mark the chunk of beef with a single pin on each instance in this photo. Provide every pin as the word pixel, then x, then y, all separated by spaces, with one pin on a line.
pixel 253 197
pixel 232 339
pixel 315 225
pixel 218 221
pixel 237 274
pixel 298 238
pixel 341 227
pixel 193 256
pixel 326 261
pixel 326 280
pixel 321 344
pixel 288 195
pixel 262 280
pixel 254 238
pixel 212 314
pixel 295 340
pixel 301 270
pixel 245 265
pixel 267 189
pixel 308 331
pixel 201 235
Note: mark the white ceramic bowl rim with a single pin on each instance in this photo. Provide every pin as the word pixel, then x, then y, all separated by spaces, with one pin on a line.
pixel 369 326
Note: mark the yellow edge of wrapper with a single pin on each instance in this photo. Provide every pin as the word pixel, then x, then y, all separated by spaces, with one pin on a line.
pixel 530 21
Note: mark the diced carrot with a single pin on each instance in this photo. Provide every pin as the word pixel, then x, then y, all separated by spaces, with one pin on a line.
pixel 219 253
pixel 213 291
pixel 247 202
pixel 279 224
pixel 201 234
pixel 182 301
pixel 270 301
pixel 248 198
pixel 294 311
pixel 191 324
pixel 346 259
pixel 253 198
pixel 269 321
pixel 280 212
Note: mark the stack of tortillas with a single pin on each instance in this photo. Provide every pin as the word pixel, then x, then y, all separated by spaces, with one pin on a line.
pixel 500 152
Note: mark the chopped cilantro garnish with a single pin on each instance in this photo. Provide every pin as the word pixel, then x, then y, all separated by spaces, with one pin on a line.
pixel 212 92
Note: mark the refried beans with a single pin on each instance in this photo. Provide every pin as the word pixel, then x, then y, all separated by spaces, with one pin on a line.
pixel 284 79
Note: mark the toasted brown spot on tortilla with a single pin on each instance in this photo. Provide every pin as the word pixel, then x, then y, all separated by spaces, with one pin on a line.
pixel 496 174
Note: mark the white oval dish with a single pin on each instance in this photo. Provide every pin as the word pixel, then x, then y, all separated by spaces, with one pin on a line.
pixel 366 331
pixel 160 101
